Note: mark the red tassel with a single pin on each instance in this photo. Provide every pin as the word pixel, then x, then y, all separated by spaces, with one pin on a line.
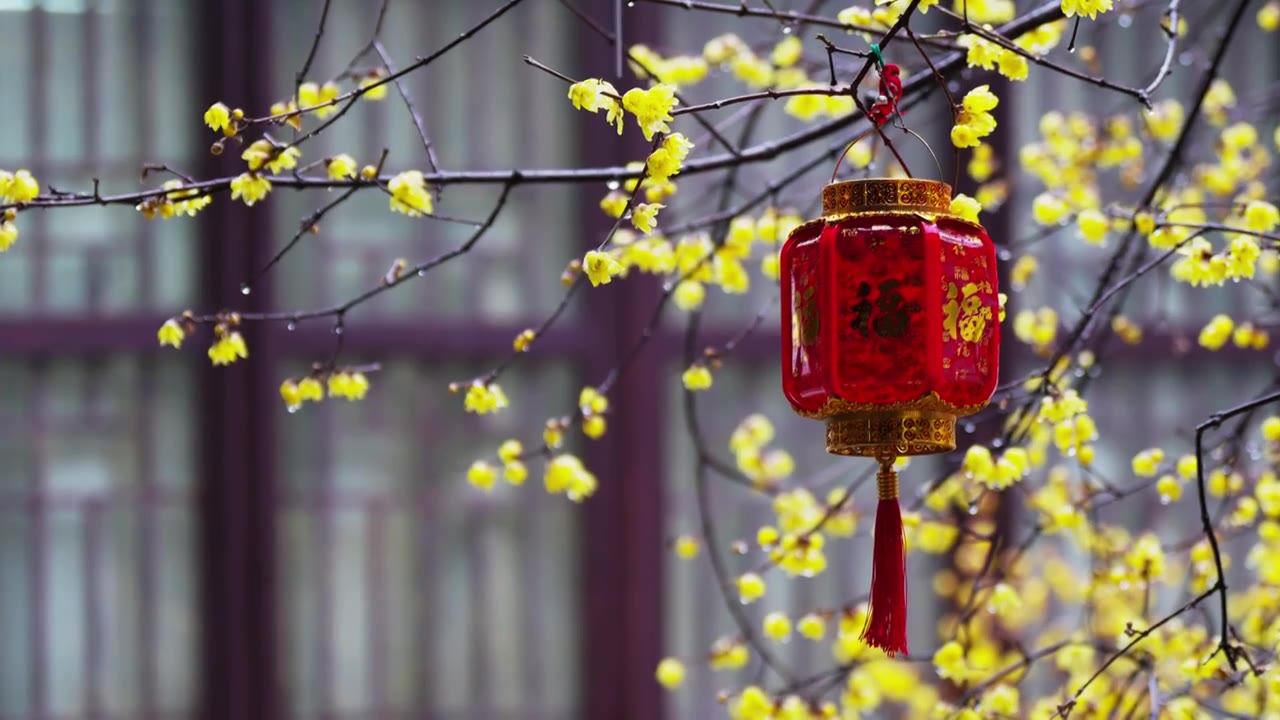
pixel 886 626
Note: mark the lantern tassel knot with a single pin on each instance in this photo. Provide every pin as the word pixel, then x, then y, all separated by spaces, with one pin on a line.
pixel 886 626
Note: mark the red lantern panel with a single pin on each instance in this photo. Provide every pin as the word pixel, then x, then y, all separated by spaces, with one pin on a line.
pixel 802 377
pixel 970 314
pixel 876 343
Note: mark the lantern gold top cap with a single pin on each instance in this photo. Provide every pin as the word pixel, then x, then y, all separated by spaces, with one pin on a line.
pixel 903 195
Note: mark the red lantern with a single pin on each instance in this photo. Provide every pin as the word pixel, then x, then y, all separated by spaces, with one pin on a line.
pixel 890 331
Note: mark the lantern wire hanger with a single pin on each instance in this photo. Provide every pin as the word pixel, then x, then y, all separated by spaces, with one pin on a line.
pixel 885 110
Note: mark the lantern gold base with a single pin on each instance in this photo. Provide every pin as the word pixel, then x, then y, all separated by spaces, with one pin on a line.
pixel 891 433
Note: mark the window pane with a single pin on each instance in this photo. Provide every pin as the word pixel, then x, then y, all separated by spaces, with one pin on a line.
pixel 105 87
pixel 404 589
pixel 96 546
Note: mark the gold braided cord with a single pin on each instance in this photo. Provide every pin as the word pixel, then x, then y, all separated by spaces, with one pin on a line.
pixel 887 481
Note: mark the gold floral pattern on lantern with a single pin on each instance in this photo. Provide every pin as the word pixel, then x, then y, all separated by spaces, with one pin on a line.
pixel 891 433
pixel 889 195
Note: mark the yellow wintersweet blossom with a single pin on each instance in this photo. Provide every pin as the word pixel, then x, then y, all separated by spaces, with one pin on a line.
pixel 696 377
pixel 374 88
pixel 689 295
pixel 1093 226
pixel 1261 216
pixel 592 94
pixel 592 402
pixel 510 451
pixel 1242 258
pixel 731 275
pixel 1169 488
pixel 482 475
pixel 566 474
pixel 291 395
pixel 722 48
pixel 326 93
pixel 1165 119
pixel 350 385
pixel 483 399
pixel 999 701
pixel 949 662
pixel 936 537
pixel 1220 98
pixel 982 163
pixel 756 72
pixel 670 673
pixel 751 588
pixel 171 334
pixel 644 217
pixel 982 53
pixel 600 267
pixel 1198 264
pixel 1269 16
pixel 860 153
pixel 975 120
pixel 1091 8
pixel 1036 327
pixel 251 187
pixel 1048 209
pixel 665 161
pixel 263 152
pixel 19 187
pixel 1271 429
pixel 966 207
pixel 309 94
pixel 812 626
pixel 777 627
pixel 341 167
pixel 1004 599
pixel 515 472
pixel 614 204
pixel 1023 269
pixel 309 389
pixel 787 52
pixel 1216 332
pixel 8 234
pixel 409 194
pixel 729 654
pixel 217 117
pixel 676 70
pixel 805 107
pixel 594 426
pixel 1147 462
pixel 687 547
pixel 651 107
pixel 179 202
pixel 306 389
pixel 985 11
pixel 1012 65
pixel 287 112
pixel 770 265
pixel 227 348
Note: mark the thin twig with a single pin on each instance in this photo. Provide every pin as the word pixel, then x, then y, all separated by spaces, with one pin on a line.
pixel 1215 420
pixel 315 45
pixel 408 103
